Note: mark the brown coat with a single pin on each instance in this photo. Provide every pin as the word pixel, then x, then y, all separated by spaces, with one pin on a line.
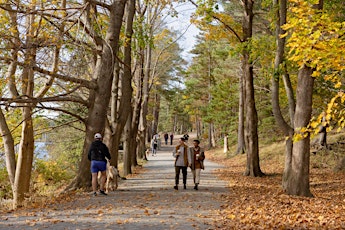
pixel 185 155
pixel 197 163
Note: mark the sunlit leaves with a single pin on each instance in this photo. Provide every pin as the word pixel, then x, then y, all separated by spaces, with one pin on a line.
pixel 315 40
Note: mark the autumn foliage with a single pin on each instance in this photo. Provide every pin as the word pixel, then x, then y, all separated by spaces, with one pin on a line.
pixel 260 203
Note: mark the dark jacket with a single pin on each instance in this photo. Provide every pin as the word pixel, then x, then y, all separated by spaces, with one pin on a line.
pixel 98 151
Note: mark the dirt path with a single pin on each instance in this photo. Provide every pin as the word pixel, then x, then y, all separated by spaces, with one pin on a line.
pixel 146 201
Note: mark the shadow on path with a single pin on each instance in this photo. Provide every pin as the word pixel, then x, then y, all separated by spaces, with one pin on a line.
pixel 147 201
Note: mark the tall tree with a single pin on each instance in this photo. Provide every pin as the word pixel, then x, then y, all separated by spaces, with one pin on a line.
pixel 103 76
pixel 250 112
pixel 127 90
pixel 280 7
pixel 313 60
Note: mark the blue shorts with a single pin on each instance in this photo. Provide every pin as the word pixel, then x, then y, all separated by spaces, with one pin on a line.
pixel 97 166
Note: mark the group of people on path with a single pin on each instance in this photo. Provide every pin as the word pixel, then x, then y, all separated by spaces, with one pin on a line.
pixel 156 142
pixel 184 155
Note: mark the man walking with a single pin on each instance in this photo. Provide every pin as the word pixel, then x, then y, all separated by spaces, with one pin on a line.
pixel 166 137
pixel 171 138
pixel 97 154
pixel 182 161
pixel 198 157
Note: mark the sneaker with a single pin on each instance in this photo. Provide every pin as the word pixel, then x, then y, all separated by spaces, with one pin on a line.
pixel 176 187
pixel 101 192
pixel 94 194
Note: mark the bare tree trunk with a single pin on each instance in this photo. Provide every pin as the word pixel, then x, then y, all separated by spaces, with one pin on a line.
pixel 140 137
pixel 127 152
pixel 10 78
pixel 156 110
pixel 281 10
pixel 298 176
pixel 240 129
pixel 103 74
pixel 137 146
pixel 145 98
pixel 226 147
pixel 113 141
pixel 251 134
pixel 129 148
pixel 8 147
pixel 26 146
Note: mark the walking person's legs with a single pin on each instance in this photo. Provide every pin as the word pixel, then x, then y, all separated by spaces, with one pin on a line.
pixel 193 172
pixel 184 174
pixel 103 179
pixel 197 178
pixel 94 182
pixel 177 176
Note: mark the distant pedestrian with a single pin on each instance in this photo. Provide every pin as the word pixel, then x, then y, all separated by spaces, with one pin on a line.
pixel 171 138
pixel 198 156
pixel 166 138
pixel 158 140
pixel 97 154
pixel 182 161
pixel 154 145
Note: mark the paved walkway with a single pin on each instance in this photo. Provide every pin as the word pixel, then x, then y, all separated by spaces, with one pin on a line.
pixel 147 201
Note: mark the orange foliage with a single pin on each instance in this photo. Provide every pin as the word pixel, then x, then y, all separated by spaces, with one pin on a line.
pixel 260 203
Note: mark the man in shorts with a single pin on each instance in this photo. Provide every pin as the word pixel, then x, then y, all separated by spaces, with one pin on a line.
pixel 98 153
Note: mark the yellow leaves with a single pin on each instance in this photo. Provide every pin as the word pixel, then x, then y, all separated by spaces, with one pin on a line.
pixel 338 85
pixel 231 216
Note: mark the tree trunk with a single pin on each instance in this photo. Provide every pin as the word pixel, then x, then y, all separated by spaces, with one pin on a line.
pixel 281 10
pixel 26 146
pixel 129 149
pixel 226 147
pixel 251 131
pixel 137 146
pixel 113 141
pixel 8 148
pixel 145 97
pixel 240 129
pixel 127 158
pixel 11 83
pixel 25 159
pixel 122 110
pixel 298 174
pixel 156 109
pixel 251 134
pixel 99 99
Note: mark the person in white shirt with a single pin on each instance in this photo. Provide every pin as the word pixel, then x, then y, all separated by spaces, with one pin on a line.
pixel 182 161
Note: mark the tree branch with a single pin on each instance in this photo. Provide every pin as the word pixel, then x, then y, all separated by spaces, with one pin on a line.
pixel 229 28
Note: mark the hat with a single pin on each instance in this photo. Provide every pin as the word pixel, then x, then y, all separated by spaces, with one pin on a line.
pixel 98 136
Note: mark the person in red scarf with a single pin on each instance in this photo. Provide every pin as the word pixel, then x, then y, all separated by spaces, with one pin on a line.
pixel 198 156
pixel 182 161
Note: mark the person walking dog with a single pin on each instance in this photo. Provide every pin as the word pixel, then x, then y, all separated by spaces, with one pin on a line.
pixel 98 152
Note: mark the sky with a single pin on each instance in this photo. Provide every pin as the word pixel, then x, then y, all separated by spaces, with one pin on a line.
pixel 182 24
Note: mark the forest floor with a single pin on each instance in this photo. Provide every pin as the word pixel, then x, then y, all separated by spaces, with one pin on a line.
pixel 226 199
pixel 145 200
